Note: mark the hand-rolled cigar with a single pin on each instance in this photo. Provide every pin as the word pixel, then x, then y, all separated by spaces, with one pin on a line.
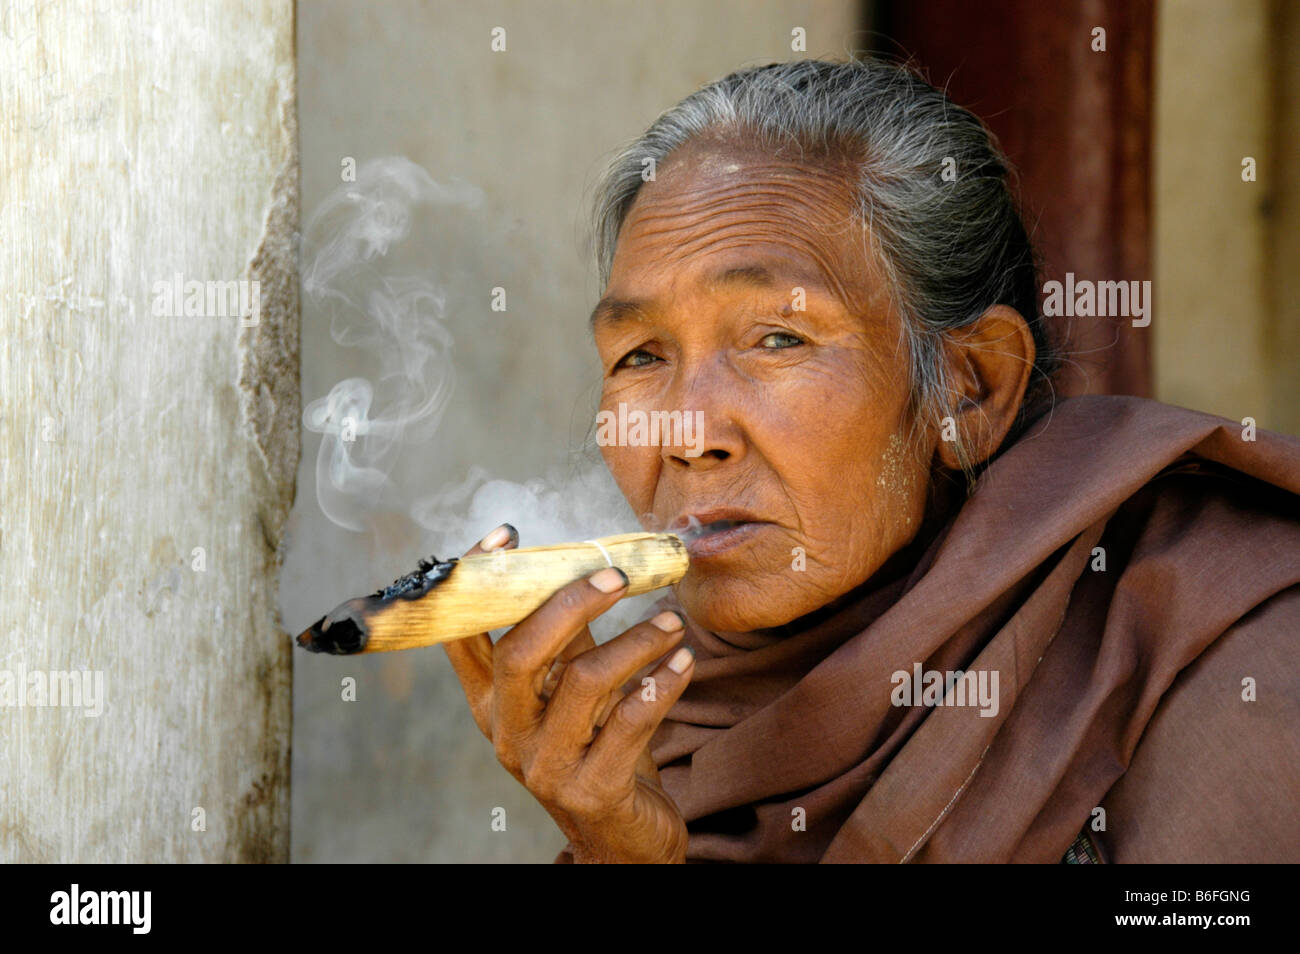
pixel 445 600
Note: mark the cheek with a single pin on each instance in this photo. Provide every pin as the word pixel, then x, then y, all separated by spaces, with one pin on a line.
pixel 635 470
pixel 879 492
pixel 856 488
pixel 836 422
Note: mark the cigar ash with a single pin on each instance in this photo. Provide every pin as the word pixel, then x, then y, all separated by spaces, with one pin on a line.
pixel 344 632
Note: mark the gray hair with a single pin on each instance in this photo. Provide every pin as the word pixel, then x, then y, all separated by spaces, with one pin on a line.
pixel 951 246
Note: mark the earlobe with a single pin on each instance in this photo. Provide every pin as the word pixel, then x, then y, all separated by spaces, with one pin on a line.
pixel 988 364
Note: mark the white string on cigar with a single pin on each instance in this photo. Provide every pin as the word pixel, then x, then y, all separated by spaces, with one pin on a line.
pixel 602 550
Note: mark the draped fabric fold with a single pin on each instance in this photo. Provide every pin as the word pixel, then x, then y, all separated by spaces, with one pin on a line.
pixel 1098 559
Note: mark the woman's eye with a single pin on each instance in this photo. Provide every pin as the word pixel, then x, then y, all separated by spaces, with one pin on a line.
pixel 636 359
pixel 781 339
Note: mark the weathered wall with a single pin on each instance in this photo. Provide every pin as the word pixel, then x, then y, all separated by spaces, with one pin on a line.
pixel 402 774
pixel 147 460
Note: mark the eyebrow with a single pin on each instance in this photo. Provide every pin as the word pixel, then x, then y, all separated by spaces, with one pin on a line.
pixel 754 276
pixel 615 311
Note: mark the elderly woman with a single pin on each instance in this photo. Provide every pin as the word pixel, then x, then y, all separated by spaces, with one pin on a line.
pixel 938 617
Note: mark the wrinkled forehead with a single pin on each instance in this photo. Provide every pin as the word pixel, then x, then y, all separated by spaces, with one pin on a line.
pixel 714 203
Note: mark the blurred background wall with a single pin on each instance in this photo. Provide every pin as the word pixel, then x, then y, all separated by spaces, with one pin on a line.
pixel 1227 251
pixel 402 773
pixel 1131 169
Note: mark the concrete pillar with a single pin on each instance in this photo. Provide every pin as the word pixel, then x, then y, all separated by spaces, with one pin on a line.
pixel 147 457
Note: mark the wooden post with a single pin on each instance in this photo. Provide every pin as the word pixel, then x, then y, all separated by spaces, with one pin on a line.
pixel 148 157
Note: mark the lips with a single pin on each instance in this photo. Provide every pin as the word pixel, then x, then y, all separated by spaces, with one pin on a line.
pixel 717 526
pixel 711 532
pixel 705 518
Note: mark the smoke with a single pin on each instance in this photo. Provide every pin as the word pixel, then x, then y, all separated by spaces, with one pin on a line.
pixel 399 319
pixel 378 430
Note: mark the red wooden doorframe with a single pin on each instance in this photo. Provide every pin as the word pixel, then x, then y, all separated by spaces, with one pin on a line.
pixel 1076 124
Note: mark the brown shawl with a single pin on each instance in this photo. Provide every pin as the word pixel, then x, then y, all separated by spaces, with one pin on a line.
pixel 1119 688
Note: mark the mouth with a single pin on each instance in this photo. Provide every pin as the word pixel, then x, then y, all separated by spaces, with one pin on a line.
pixel 713 532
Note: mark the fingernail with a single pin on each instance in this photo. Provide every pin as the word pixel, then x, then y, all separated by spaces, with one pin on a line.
pixel 497 538
pixel 668 621
pixel 608 580
pixel 681 660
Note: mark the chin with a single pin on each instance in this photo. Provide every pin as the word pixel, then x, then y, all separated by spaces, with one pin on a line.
pixel 730 604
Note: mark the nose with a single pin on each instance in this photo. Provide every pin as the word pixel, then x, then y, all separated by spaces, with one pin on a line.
pixel 710 433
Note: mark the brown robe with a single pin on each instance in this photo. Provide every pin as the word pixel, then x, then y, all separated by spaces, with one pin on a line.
pixel 1163 689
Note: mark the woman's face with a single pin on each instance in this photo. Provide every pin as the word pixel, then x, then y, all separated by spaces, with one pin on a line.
pixel 802 394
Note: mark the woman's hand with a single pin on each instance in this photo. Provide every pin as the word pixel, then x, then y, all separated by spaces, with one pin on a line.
pixel 552 703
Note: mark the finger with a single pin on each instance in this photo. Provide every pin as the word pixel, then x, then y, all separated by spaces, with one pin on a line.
pixel 577 646
pixel 523 657
pixel 645 766
pixel 619 745
pixel 471 657
pixel 592 683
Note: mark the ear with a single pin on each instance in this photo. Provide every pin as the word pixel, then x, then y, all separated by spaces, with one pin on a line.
pixel 988 365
